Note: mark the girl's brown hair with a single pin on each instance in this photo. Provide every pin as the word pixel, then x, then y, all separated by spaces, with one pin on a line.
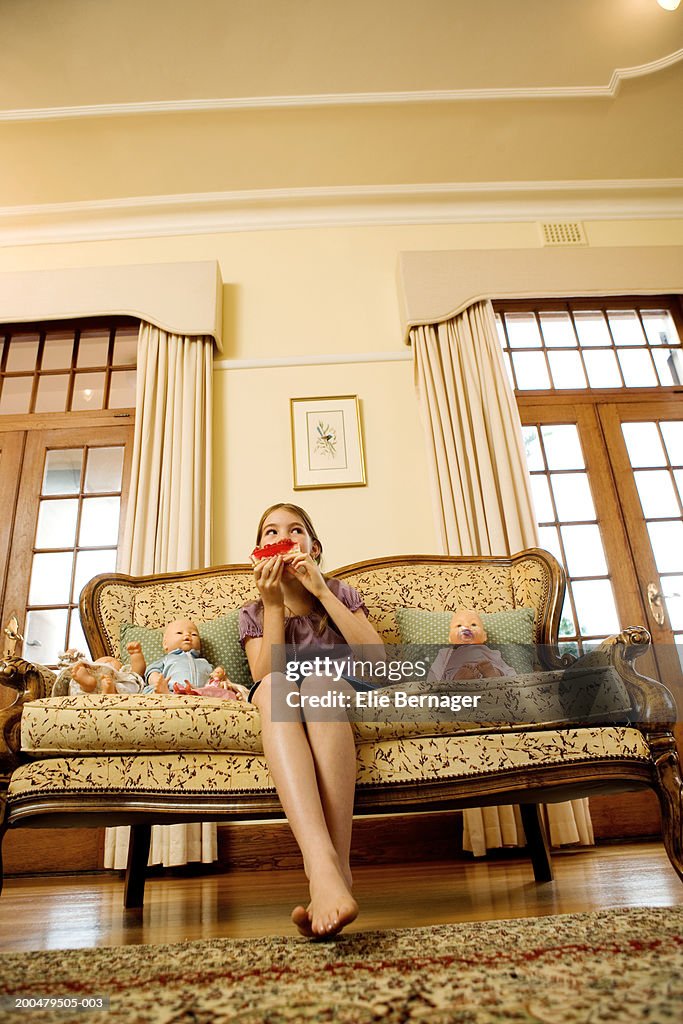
pixel 301 514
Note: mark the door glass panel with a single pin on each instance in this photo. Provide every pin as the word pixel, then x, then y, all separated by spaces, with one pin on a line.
pixel 673 439
pixel 77 639
pixel 667 545
pixel 678 477
pixel 51 578
pixel 567 369
pixel 669 366
pixel 122 389
pixel 531 371
pixel 532 447
pixel 643 444
pixel 63 471
pixel 595 607
pixel 89 564
pixel 567 624
pixel 23 353
pixel 584 551
pixel 672 588
pixel 52 393
pixel 656 493
pixel 57 523
pixel 562 446
pixel 45 635
pixel 549 539
pixel 104 470
pixel 542 500
pixel 573 498
pixel 638 368
pixel 99 521
pixel 16 396
pixel 602 369
pixel 58 350
pixel 659 327
pixel 126 346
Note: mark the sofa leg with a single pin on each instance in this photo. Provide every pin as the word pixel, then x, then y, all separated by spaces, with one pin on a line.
pixel 670 793
pixel 537 842
pixel 138 855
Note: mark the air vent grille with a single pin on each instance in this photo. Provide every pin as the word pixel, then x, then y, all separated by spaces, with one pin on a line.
pixel 563 233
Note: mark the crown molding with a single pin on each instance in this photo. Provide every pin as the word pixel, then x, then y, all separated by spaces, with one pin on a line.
pixel 336 359
pixel 561 92
pixel 354 205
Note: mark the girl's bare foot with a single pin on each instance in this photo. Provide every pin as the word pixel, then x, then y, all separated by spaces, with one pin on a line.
pixel 332 906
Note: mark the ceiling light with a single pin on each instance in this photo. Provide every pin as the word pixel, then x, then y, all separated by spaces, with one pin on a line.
pixel 669 5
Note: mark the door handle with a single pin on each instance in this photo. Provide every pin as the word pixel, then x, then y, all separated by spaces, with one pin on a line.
pixel 656 603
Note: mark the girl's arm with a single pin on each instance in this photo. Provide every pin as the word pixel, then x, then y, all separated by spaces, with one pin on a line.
pixel 355 627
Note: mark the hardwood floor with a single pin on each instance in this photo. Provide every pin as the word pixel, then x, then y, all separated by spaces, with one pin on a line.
pixel 71 911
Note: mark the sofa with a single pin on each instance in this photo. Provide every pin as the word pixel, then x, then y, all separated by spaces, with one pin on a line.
pixel 93 759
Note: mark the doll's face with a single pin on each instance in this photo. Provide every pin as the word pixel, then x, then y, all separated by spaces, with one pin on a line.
pixel 467 628
pixel 181 633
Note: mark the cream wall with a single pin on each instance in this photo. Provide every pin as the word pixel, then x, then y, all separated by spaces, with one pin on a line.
pixel 311 293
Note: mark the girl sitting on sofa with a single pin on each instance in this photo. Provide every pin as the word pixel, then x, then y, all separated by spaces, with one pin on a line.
pixel 313 763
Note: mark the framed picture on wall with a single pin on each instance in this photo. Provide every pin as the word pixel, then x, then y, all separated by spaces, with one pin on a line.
pixel 327 443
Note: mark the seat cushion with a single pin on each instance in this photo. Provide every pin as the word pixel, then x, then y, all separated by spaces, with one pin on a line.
pixel 389 761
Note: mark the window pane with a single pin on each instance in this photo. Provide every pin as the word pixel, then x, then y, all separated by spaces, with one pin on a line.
pixel 673 439
pixel 542 503
pixel 58 350
pixel 669 365
pixel 52 391
pixel 592 329
pixel 531 370
pixel 573 498
pixel 567 370
pixel 522 330
pixel 57 523
pixel 99 521
pixel 656 493
pixel 45 635
pixel 16 395
pixel 63 471
pixel 643 444
pixel 595 607
pixel 88 391
pixel 678 477
pixel 567 625
pixel 51 578
pixel 562 446
pixel 501 331
pixel 584 550
pixel 532 447
pixel 122 389
pixel 93 348
pixel 77 639
pixel 660 328
pixel 557 330
pixel 667 545
pixel 637 368
pixel 89 564
pixel 104 470
pixel 23 352
pixel 625 327
pixel 126 346
pixel 672 588
pixel 602 369
pixel 549 540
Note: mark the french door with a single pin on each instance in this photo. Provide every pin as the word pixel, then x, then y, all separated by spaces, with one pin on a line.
pixel 63 508
pixel 607 477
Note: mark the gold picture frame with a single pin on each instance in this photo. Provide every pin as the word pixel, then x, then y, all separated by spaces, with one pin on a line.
pixel 327 442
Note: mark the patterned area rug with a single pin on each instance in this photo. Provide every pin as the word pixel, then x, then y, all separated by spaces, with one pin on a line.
pixel 602 968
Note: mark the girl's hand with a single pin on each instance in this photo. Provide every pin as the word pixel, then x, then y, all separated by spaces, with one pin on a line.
pixel 268 579
pixel 307 571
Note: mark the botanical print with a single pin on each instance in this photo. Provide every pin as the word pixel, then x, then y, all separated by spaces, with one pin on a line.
pixel 327 445
pixel 327 440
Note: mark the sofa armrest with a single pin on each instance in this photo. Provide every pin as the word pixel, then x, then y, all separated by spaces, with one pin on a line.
pixel 652 702
pixel 29 682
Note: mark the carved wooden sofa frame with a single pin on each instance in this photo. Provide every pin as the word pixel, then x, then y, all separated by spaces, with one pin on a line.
pixel 648 760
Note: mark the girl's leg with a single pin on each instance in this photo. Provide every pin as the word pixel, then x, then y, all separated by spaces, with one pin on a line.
pixel 290 759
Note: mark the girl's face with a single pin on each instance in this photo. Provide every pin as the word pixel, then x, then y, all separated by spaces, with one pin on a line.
pixel 283 524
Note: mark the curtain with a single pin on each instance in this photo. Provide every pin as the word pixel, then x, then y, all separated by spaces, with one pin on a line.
pixel 482 497
pixel 168 520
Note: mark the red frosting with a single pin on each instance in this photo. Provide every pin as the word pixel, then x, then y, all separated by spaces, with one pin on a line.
pixel 282 547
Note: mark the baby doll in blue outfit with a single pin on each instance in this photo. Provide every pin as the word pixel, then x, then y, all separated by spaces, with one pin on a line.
pixel 183 670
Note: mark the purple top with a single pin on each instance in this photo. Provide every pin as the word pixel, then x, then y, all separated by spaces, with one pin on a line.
pixel 302 630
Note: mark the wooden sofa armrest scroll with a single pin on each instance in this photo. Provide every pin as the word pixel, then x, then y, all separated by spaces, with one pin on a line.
pixel 29 682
